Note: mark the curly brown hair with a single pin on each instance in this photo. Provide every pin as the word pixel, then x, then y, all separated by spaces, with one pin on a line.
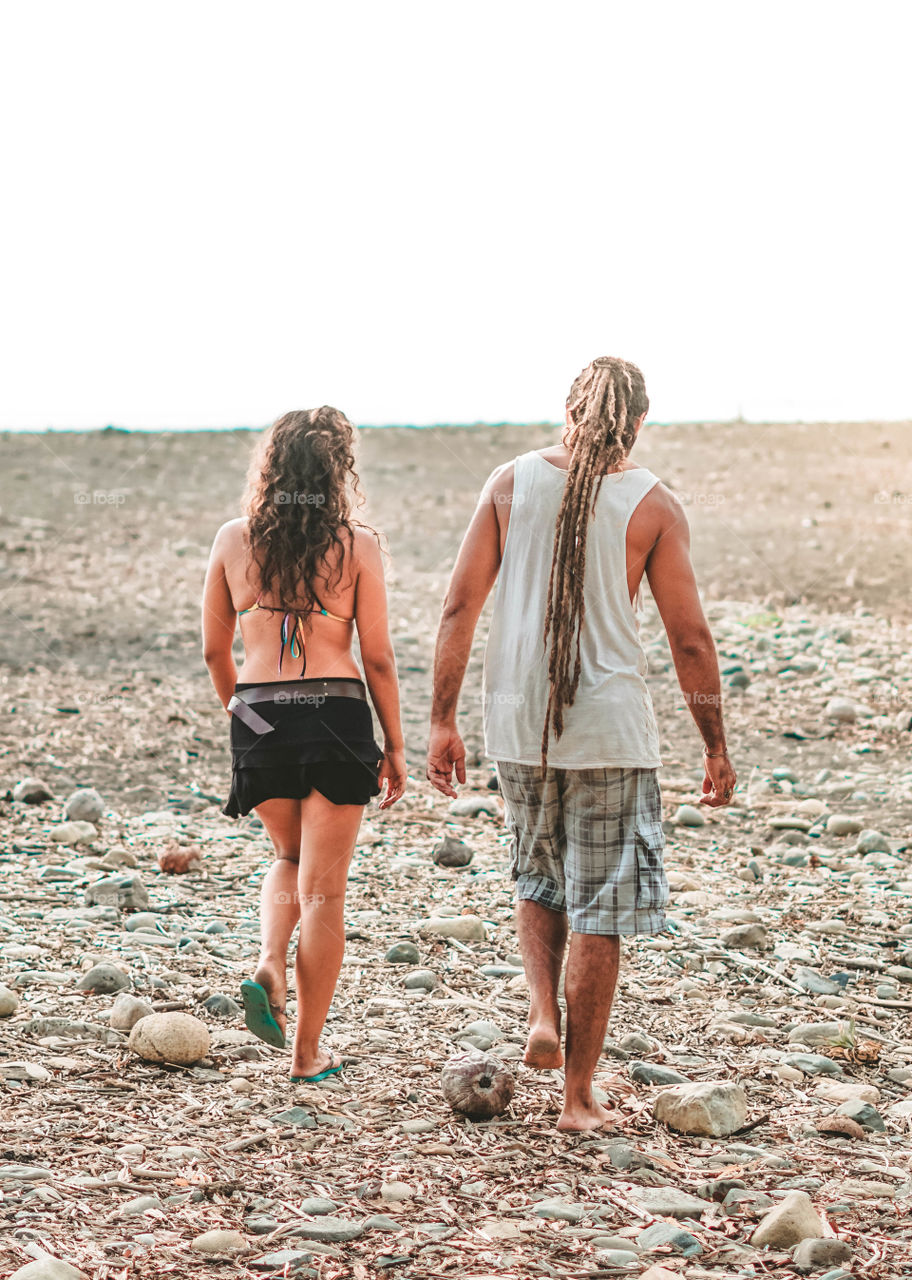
pixel 301 489
pixel 603 406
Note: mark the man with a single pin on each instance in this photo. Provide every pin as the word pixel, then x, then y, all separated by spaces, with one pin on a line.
pixel 569 531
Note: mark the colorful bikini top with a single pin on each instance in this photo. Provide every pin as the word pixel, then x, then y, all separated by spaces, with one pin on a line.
pixel 292 632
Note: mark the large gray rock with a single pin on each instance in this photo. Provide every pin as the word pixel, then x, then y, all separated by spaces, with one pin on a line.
pixel 668 1202
pixel 84 805
pixel 48 1268
pixel 127 1011
pixel 23 1173
pixel 103 979
pixel 178 1038
pixel 558 1210
pixel 794 1219
pixel 74 833
pixel 450 852
pixel 688 815
pixel 462 928
pixel 712 1109
pixel 750 936
pixel 403 953
pixel 121 891
pixel 332 1230
pixel 9 1001
pixel 841 711
pixel 862 1113
pixel 812 1064
pixel 871 841
pixel 70 1028
pixel 31 791
pixel 815 1033
pixel 814 1255
pixel 218 1241
pixel 840 824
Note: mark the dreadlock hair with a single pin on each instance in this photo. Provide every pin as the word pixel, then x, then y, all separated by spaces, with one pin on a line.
pixel 603 406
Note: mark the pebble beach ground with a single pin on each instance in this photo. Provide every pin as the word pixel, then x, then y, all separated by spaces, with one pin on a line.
pixel 772 1017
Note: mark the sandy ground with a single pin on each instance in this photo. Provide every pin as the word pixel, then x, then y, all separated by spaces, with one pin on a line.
pixel 801 537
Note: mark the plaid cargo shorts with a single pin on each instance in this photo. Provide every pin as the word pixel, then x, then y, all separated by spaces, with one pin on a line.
pixel 588 842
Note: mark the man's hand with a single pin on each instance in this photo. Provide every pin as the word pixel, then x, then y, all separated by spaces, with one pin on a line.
pixel 720 781
pixel 446 753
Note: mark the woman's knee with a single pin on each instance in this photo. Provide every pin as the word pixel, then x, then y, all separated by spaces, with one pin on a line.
pixel 288 855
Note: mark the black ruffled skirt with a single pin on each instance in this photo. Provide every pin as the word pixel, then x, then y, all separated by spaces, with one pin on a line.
pixel 323 743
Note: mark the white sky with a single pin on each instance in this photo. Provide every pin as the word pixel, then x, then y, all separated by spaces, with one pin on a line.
pixel 424 212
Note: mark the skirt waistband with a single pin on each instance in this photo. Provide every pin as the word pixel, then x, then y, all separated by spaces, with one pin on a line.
pixel 290 693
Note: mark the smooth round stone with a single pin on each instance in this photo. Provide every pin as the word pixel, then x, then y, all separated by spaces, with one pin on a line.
pixel 9 1001
pixel 501 970
pixel 617 1257
pixel 841 824
pixel 738 680
pixel 403 953
pixel 222 1006
pixel 870 841
pixel 143 922
pixel 396 1192
pixel 84 805
pixel 219 1242
pixel 841 711
pixel 688 815
pixel 420 980
pixel 318 1205
pixel 887 993
pixel 103 979
pixel 31 791
pixel 214 926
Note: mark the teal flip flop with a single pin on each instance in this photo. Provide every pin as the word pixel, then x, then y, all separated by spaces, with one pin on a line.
pixel 331 1070
pixel 258 1015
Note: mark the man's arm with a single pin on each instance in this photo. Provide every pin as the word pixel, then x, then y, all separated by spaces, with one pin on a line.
pixel 473 576
pixel 674 588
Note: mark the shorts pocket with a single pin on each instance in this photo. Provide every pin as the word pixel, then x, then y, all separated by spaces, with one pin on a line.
pixel 651 883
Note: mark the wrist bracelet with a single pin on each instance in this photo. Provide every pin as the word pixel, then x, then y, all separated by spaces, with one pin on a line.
pixel 718 755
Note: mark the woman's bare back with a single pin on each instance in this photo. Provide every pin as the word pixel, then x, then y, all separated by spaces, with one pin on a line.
pixel 326 640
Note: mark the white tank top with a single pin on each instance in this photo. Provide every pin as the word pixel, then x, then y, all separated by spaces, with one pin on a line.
pixel 612 721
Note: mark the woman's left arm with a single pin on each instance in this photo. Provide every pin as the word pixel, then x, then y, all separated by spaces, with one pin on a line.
pixel 219 622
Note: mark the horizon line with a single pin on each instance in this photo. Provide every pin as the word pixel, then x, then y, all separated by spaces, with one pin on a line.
pixel 458 426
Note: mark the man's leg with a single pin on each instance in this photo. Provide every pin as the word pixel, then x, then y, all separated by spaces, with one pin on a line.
pixel 592 971
pixel 533 815
pixel 542 940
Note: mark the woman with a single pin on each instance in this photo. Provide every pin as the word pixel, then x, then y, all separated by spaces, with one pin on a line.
pixel 303 575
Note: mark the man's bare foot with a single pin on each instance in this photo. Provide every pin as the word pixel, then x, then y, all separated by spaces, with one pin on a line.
pixel 274 984
pixel 543 1049
pixel 582 1118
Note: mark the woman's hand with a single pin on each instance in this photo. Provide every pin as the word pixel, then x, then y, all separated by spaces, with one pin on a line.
pixel 393 776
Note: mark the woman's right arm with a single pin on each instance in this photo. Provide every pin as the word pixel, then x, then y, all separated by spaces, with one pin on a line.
pixel 379 662
pixel 219 621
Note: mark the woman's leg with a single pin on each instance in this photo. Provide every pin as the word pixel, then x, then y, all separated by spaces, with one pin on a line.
pixel 328 835
pixel 279 911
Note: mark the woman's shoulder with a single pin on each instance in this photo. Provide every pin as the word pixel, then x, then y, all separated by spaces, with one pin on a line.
pixel 232 531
